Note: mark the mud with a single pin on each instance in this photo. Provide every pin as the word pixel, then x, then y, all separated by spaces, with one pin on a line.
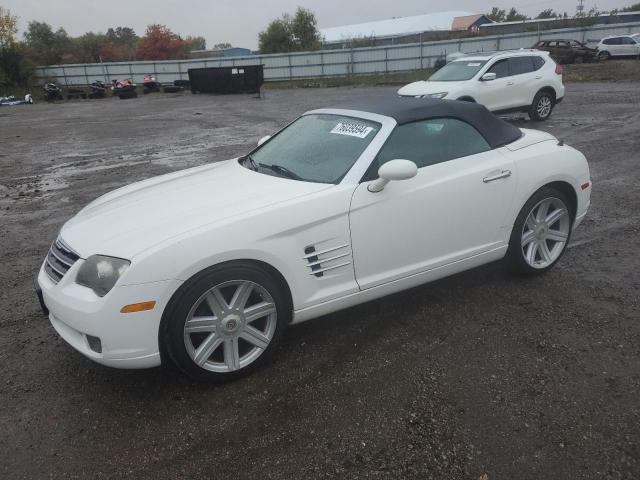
pixel 482 375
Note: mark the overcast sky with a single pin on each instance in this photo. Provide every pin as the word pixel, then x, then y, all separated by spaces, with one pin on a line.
pixel 239 22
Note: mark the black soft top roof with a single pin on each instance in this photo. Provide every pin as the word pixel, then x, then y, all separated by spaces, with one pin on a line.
pixel 406 110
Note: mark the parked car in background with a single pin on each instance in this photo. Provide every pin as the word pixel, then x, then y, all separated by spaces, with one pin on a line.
pixel 619 46
pixel 567 51
pixel 206 267
pixel 507 81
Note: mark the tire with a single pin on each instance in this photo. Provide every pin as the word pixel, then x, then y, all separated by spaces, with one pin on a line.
pixel 537 242
pixel 542 106
pixel 228 344
pixel 603 56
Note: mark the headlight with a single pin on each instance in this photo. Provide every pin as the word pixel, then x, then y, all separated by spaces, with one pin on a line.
pixel 438 95
pixel 100 273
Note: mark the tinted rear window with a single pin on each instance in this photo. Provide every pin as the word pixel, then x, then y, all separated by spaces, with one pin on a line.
pixel 538 62
pixel 520 65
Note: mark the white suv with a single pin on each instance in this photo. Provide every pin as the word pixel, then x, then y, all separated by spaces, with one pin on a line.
pixel 518 80
pixel 619 46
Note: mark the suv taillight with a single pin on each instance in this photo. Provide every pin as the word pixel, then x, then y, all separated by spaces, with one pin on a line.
pixel 558 69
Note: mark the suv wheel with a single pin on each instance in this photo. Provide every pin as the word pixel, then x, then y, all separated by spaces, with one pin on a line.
pixel 542 106
pixel 602 56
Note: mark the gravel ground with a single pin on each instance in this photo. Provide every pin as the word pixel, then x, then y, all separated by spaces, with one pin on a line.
pixel 481 375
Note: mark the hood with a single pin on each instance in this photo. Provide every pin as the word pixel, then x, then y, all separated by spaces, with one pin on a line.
pixel 133 218
pixel 425 87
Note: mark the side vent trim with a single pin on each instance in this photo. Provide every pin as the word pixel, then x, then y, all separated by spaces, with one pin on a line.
pixel 320 265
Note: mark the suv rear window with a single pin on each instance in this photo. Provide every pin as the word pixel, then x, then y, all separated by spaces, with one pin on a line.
pixel 538 62
pixel 520 65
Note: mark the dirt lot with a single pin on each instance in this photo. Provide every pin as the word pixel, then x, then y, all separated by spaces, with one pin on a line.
pixel 479 374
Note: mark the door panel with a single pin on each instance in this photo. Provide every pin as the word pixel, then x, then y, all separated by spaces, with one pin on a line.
pixel 448 212
pixel 495 94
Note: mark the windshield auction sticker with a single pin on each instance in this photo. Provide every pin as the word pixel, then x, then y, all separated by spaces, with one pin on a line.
pixel 352 130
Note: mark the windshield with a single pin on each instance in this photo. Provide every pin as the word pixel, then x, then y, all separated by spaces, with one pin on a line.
pixel 457 71
pixel 316 148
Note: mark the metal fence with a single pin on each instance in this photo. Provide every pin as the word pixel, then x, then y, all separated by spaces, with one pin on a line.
pixel 325 63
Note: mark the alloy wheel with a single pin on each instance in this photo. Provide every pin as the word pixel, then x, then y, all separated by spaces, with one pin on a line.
pixel 545 233
pixel 230 326
pixel 544 106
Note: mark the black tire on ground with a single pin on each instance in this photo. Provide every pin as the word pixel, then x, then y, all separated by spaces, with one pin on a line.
pixel 127 95
pixel 172 337
pixel 602 56
pixel 542 106
pixel 515 257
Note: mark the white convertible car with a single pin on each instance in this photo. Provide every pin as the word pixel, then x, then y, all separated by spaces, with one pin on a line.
pixel 205 267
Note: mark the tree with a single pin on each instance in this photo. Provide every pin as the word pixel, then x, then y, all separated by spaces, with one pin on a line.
pixel 160 43
pixel 496 14
pixel 195 43
pixel 86 48
pixel 515 16
pixel 548 13
pixel 287 34
pixel 222 46
pixel 15 68
pixel 633 8
pixel 122 35
pixel 8 27
pixel 45 46
pixel 304 28
pixel 277 38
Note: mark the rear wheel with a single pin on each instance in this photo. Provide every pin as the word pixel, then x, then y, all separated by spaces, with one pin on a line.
pixel 541 232
pixel 542 106
pixel 225 323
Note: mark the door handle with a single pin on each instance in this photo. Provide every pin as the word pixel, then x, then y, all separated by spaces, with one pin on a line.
pixel 498 176
pixel 509 83
pixel 538 77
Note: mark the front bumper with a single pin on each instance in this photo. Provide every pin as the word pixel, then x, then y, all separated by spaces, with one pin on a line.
pixel 127 340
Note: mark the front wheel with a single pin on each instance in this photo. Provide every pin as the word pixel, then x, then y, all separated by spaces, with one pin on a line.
pixel 541 232
pixel 602 56
pixel 225 323
pixel 542 106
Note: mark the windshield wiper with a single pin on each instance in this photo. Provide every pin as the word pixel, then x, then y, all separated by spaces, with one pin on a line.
pixel 282 171
pixel 252 164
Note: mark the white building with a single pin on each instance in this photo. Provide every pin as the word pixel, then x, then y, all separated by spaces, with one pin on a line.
pixel 395 27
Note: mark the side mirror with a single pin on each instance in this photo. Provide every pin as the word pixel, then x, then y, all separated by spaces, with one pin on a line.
pixel 487 77
pixel 393 170
pixel 263 139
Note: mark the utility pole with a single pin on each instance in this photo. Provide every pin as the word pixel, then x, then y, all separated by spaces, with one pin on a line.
pixel 580 9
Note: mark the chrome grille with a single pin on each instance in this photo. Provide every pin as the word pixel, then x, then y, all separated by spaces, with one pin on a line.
pixel 59 260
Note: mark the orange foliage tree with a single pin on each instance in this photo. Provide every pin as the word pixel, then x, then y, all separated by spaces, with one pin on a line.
pixel 160 43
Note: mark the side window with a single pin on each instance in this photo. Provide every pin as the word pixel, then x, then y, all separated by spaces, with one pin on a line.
pixel 500 68
pixel 428 142
pixel 538 62
pixel 520 65
pixel 612 41
pixel 627 41
pixel 563 44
